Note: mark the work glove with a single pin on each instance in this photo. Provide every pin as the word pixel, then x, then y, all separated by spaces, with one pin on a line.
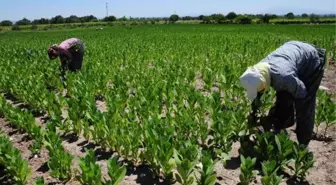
pixel 256 103
pixel 255 107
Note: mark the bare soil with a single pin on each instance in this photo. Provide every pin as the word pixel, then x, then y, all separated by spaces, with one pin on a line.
pixel 324 149
pixel 329 79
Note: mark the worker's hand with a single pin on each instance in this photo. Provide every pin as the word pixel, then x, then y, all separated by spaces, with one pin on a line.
pixel 256 102
pixel 64 62
pixel 255 106
pixel 252 118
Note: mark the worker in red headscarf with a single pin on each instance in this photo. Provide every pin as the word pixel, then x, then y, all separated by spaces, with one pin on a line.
pixel 70 52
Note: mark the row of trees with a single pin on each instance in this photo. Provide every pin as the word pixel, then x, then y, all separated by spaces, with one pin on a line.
pixel 232 17
pixel 54 20
pixel 214 18
pixel 291 15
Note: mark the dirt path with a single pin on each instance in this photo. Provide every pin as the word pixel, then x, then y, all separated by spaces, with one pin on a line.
pixel 329 79
pixel 324 171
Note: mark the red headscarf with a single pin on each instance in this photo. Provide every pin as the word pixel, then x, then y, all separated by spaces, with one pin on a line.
pixel 53 52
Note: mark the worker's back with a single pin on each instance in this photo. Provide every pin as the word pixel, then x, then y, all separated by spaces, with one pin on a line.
pixel 294 58
pixel 68 43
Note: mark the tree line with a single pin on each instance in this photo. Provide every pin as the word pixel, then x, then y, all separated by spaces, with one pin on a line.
pixel 231 17
pixel 58 20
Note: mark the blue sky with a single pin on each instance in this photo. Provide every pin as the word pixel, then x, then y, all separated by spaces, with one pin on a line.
pixel 32 9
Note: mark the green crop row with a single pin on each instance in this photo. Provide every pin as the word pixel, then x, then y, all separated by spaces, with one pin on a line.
pixel 11 159
pixel 25 122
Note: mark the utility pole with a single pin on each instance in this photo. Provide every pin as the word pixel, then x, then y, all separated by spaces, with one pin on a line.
pixel 106 10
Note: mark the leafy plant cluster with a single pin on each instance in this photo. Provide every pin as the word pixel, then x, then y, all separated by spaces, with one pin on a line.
pixel 25 122
pixel 91 172
pixel 325 111
pixel 60 161
pixel 11 159
pixel 276 154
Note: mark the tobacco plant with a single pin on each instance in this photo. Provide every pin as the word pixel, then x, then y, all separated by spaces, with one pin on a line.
pixel 90 170
pixel 284 147
pixel 60 161
pixel 304 160
pixel 270 176
pixel 116 172
pixel 325 110
pixel 39 181
pixel 207 172
pixel 11 159
pixel 186 158
pixel 247 171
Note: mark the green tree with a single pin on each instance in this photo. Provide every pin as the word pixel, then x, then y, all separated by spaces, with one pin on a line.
pixel 94 20
pixel 201 17
pixel 219 18
pixel 88 18
pixel 44 21
pixel 259 16
pixel 290 15
pixel 124 18
pixel 110 18
pixel 314 18
pixel 41 21
pixel 57 20
pixel 206 19
pixel 173 18
pixel 242 19
pixel 231 15
pixel 152 21
pixel 274 16
pixel 72 19
pixel 23 21
pixel 186 18
pixel 265 18
pixel 304 15
pixel 6 23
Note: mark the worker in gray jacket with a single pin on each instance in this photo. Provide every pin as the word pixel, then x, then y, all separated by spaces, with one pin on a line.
pixel 295 71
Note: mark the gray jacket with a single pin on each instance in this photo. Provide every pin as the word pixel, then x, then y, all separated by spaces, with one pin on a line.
pixel 294 67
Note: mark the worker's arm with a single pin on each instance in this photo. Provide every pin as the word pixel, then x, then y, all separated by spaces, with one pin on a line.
pixel 256 102
pixel 63 68
pixel 64 53
pixel 65 57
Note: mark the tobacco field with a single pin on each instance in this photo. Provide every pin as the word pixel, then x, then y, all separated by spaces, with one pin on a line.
pixel 155 104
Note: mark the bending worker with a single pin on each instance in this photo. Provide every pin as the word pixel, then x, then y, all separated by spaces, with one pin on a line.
pixel 295 71
pixel 70 52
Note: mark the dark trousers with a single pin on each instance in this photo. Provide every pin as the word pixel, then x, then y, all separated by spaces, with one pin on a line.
pixel 76 62
pixel 73 65
pixel 287 109
pixel 304 109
